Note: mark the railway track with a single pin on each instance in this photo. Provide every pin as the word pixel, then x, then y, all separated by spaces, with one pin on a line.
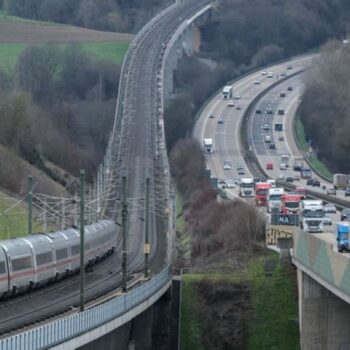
pixel 136 156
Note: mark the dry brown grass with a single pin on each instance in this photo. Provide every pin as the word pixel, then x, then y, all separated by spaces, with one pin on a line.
pixel 32 33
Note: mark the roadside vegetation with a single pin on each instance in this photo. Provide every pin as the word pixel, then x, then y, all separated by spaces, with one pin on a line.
pixel 324 110
pixel 315 163
pixel 244 309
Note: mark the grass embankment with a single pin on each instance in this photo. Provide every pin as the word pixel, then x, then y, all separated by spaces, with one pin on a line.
pixel 14 222
pixel 315 163
pixel 272 310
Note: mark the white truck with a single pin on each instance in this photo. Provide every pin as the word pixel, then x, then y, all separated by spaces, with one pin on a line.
pixel 312 215
pixel 285 160
pixel 274 198
pixel 246 187
pixel 208 145
pixel 341 181
pixel 227 92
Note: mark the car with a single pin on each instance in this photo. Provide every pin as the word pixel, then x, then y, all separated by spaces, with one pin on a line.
pixel 290 88
pixel 289 179
pixel 238 107
pixel 239 166
pixel 280 138
pixel 296 177
pixel 345 214
pixel 241 172
pixel 272 146
pixel 347 192
pixel 283 166
pixel 269 74
pixel 222 183
pixel 237 97
pixel 316 183
pixel 327 220
pixel 211 116
pixel 258 111
pixel 266 127
pixel 257 82
pixel 263 73
pixel 269 111
pixel 220 121
pixel 230 103
pixel 230 184
pixel 269 166
pixel 280 112
pixel 283 74
pixel 281 177
pixel 236 181
pixel 227 166
pixel 330 208
pixel 331 191
pixel 282 94
pixel 290 67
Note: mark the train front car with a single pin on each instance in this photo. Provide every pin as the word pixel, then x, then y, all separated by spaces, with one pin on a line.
pixel 4 274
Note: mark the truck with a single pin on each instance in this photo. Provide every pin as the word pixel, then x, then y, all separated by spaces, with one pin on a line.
pixel 298 163
pixel 208 145
pixel 285 159
pixel 227 92
pixel 342 236
pixel 274 196
pixel 290 203
pixel 246 187
pixel 261 190
pixel 341 181
pixel 312 215
pixel 305 173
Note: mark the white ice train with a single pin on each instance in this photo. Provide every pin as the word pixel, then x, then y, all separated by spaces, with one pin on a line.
pixel 32 261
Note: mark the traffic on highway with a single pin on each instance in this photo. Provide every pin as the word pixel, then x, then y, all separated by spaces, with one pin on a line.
pixel 269 100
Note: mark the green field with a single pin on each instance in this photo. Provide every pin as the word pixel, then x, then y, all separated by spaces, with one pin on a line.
pixel 112 51
pixel 13 222
pixel 273 321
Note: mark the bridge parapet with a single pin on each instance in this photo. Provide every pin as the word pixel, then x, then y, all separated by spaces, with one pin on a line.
pixel 320 259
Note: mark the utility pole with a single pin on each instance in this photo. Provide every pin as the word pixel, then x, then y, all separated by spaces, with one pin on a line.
pixel 147 246
pixel 82 239
pixel 30 204
pixel 124 228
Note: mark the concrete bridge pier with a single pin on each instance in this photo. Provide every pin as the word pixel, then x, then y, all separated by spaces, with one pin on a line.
pixel 324 318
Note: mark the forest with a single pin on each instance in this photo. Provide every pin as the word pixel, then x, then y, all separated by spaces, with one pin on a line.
pixel 325 110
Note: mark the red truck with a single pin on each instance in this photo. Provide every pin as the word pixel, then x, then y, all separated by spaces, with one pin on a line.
pixel 261 189
pixel 290 203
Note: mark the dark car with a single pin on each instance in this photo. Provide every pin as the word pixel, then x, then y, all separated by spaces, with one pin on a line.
pixel 282 94
pixel 220 121
pixel 347 192
pixel 258 111
pixel 316 183
pixel 309 182
pixel 345 214
pixel 211 116
pixel 290 88
pixel 269 111
pixel 272 146
pixel 289 179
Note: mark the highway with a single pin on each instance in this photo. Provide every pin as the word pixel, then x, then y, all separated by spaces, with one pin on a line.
pixel 226 133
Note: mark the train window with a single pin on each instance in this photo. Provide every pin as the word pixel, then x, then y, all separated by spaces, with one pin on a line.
pixel 61 253
pixel 44 258
pixel 22 263
pixel 75 249
pixel 2 267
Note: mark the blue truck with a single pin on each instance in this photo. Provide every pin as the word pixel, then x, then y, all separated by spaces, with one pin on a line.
pixel 343 237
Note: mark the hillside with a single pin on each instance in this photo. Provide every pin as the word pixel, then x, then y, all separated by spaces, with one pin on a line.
pixel 36 135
